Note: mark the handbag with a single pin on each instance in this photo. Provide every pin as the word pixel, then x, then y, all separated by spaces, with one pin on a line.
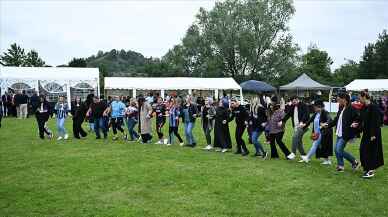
pixel 314 136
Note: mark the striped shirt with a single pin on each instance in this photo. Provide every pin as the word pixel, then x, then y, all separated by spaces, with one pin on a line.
pixel 61 109
pixel 174 117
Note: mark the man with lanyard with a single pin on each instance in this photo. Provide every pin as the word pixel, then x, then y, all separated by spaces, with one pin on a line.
pixel 160 113
pixel 299 113
pixel 241 116
pixel 117 110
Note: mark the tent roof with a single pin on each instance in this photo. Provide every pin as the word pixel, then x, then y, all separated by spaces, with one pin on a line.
pixel 170 83
pixel 304 82
pixel 48 73
pixel 370 84
pixel 257 86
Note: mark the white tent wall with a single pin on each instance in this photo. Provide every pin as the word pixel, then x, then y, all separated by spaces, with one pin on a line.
pixel 370 84
pixel 64 77
pixel 171 83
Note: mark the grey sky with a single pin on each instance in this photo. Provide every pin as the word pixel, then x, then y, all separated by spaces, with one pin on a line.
pixel 60 30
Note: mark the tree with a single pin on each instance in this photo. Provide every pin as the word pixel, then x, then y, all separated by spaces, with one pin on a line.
pixel 316 63
pixel 374 63
pixel 239 38
pixel 14 56
pixel 77 62
pixel 33 59
pixel 346 73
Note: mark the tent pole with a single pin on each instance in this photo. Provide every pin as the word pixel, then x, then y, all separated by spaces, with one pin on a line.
pixel 162 93
pixel 241 96
pixel 68 94
pixel 330 96
pixel 134 93
pixel 216 94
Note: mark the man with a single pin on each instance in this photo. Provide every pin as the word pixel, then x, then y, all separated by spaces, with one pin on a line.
pixel 23 105
pixel 4 99
pixel 117 110
pixel 299 114
pixel 97 109
pixel 17 100
pixel 34 101
pixel 241 116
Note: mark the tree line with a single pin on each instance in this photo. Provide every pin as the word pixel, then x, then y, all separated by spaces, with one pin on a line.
pixel 243 39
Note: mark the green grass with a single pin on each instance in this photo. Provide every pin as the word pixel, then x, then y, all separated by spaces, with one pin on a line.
pixel 117 178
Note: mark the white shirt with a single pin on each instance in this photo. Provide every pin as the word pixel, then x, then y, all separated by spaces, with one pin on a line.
pixel 339 125
pixel 296 117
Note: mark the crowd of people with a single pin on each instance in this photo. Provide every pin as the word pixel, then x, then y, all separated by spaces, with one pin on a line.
pixel 363 118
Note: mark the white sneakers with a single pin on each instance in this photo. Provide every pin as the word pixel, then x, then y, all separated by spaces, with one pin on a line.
pixel 304 159
pixel 208 147
pixel 66 136
pixel 59 138
pixel 181 144
pixel 168 144
pixel 291 156
pixel 326 162
pixel 224 150
pixel 159 142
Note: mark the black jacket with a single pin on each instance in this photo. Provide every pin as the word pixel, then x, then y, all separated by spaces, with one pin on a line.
pixel 192 110
pixel 349 116
pixel 240 114
pixel 256 119
pixel 303 113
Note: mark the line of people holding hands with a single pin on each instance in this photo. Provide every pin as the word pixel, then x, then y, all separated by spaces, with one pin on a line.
pixel 258 119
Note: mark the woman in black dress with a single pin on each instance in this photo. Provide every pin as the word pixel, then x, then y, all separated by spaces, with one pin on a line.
pixel 221 127
pixel 78 111
pixel 371 147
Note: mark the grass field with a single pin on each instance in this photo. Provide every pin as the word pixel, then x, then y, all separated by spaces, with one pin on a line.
pixel 117 178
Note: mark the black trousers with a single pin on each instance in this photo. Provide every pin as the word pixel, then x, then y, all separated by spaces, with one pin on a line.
pixel 159 127
pixel 171 132
pixel 240 142
pixel 42 118
pixel 117 124
pixel 146 137
pixel 278 137
pixel 78 132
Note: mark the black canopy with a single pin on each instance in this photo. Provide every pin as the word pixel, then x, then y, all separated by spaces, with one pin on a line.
pixel 257 86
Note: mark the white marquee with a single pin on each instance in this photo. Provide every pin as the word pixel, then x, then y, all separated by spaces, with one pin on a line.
pixel 53 79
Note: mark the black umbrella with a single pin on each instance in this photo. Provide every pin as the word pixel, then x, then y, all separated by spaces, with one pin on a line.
pixel 257 86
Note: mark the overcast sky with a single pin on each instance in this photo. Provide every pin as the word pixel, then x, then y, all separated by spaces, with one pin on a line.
pixel 61 30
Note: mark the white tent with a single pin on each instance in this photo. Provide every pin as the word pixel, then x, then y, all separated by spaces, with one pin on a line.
pixel 49 79
pixel 370 84
pixel 304 82
pixel 171 83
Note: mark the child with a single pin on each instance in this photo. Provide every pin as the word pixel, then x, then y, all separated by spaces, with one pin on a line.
pixel 61 110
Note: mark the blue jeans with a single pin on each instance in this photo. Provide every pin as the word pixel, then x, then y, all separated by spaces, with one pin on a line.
pixel 255 140
pixel 130 125
pixel 340 152
pixel 100 123
pixel 61 126
pixel 314 147
pixel 189 126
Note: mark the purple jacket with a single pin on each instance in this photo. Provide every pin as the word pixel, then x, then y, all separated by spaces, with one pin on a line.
pixel 273 121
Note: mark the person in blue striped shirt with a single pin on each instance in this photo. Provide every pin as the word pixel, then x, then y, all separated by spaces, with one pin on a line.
pixel 173 117
pixel 61 110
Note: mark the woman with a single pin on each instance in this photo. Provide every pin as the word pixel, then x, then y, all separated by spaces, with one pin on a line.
pixel 116 109
pixel 145 114
pixel 132 118
pixel 221 127
pixel 89 116
pixel 208 113
pixel 257 122
pixel 189 113
pixel 322 137
pixel 371 148
pixel 61 110
pixel 78 111
pixel 160 113
pixel 173 120
pixel 42 115
pixel 346 124
pixel 276 131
